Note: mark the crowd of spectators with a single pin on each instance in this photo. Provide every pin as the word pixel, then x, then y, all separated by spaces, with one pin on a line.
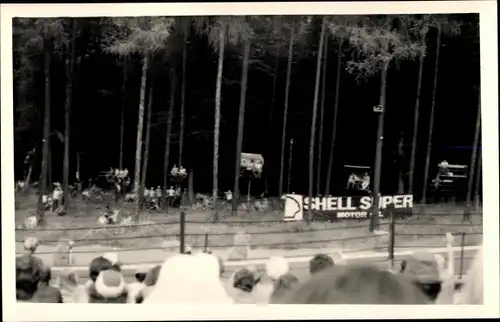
pixel 198 278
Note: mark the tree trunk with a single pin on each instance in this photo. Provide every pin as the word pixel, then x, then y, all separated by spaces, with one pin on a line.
pixel 191 186
pixel 335 112
pixel 148 136
pixel 321 117
pixel 431 122
pixel 67 115
pixel 124 103
pixel 401 164
pixel 415 125
pixel 314 114
pixel 241 125
pixel 218 89
pixel 374 219
pixel 478 179
pixel 47 50
pixel 183 100
pixel 285 110
pixel 78 176
pixel 138 150
pixel 49 166
pixel 472 168
pixel 290 163
pixel 269 145
pixel 275 82
pixel 27 180
pixel 168 136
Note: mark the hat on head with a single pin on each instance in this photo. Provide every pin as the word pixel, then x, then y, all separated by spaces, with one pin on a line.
pixel 31 243
pixel 110 284
pixel 422 267
pixel 276 267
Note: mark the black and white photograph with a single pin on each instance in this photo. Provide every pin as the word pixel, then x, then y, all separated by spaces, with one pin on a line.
pixel 220 157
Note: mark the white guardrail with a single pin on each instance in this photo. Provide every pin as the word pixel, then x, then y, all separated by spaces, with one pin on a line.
pixel 291 260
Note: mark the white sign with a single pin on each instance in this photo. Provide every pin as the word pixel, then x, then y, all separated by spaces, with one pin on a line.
pixel 342 207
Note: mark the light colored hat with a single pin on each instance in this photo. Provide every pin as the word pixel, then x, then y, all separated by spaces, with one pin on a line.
pixel 189 279
pixel 276 267
pixel 422 267
pixel 110 284
pixel 31 243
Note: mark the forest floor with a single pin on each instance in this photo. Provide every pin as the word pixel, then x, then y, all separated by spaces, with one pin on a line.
pixel 267 230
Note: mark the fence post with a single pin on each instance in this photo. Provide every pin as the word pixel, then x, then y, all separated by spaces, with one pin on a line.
pixel 182 231
pixel 462 245
pixel 392 237
pixel 205 244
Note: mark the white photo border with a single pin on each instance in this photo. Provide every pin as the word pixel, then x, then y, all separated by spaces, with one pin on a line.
pixel 487 10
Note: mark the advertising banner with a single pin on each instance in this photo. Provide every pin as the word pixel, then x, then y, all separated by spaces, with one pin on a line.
pixel 338 208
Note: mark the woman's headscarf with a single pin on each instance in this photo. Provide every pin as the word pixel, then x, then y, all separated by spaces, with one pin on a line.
pixel 189 279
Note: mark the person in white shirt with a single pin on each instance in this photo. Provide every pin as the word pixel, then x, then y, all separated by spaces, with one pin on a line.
pixel 182 171
pixel 229 195
pixel 20 185
pixel 351 181
pixel 258 166
pixel 365 184
pixel 125 173
pixel 56 197
pixel 159 195
pixel 146 195
pixel 170 195
pixel 45 199
pixel 443 168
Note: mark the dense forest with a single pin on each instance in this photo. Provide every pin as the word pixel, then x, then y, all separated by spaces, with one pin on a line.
pixel 315 80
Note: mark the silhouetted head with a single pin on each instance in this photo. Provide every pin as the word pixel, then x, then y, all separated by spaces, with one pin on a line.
pixel 97 265
pixel 319 263
pixel 356 285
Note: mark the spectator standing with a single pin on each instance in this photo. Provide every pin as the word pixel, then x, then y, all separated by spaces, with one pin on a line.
pixel 170 196
pixel 159 196
pixel 57 195
pixel 27 278
pixel 46 293
pixel 30 246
